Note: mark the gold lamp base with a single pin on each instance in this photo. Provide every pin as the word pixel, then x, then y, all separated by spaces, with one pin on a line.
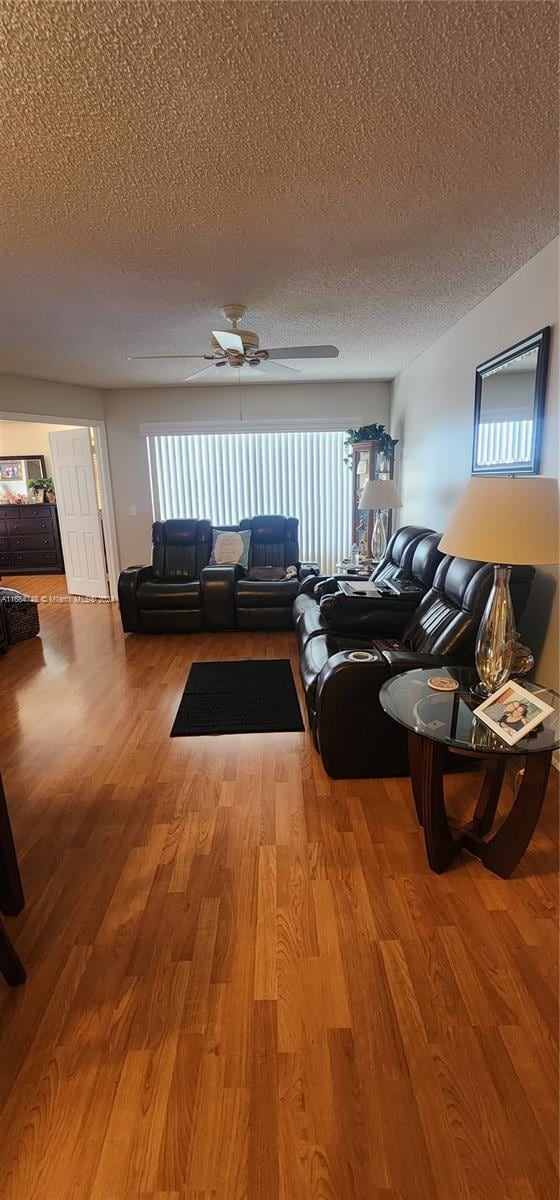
pixel 378 537
pixel 495 643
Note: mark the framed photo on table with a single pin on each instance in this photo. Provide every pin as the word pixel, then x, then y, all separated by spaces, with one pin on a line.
pixel 512 712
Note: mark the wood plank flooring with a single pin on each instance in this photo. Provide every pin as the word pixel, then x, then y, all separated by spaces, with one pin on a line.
pixel 244 982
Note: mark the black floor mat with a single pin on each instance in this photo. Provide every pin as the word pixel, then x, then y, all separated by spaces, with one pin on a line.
pixel 251 696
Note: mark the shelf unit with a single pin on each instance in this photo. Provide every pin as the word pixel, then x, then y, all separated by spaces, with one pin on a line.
pixel 369 461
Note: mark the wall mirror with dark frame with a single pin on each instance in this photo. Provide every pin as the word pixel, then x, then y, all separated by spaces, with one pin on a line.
pixel 15 472
pixel 510 391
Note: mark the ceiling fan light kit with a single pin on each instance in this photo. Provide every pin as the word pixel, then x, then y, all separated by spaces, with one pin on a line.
pixel 240 348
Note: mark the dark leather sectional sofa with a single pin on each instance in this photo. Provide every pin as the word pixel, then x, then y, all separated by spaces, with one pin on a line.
pixel 432 623
pixel 179 592
pixel 433 626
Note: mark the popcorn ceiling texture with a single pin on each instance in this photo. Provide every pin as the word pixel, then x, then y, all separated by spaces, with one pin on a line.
pixel 362 173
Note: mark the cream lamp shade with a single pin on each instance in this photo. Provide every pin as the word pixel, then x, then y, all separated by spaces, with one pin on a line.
pixel 511 519
pixel 380 493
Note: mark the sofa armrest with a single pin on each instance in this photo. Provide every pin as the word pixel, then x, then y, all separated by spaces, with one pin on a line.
pixel 347 701
pixel 326 587
pixel 329 586
pixel 218 595
pixel 308 585
pixel 129 579
pixel 408 660
pixel 307 570
pixel 355 683
pixel 323 585
pixel 365 616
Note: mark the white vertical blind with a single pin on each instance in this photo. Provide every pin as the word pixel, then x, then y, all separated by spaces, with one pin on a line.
pixel 504 442
pixel 228 476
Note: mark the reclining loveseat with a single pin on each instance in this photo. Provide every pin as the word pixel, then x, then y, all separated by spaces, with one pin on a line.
pixel 181 592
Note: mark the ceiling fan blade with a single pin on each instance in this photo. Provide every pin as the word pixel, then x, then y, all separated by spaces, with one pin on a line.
pixel 272 368
pixel 304 352
pixel 228 339
pixel 213 371
pixel 147 357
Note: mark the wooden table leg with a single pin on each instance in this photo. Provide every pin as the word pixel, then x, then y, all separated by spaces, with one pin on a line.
pixel 12 898
pixel 11 966
pixel 487 804
pixel 503 852
pixel 415 762
pixel 426 764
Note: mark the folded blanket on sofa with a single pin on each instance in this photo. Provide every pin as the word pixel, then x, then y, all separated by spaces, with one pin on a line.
pixel 262 574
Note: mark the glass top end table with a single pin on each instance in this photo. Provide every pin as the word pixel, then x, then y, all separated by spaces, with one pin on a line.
pixel 436 720
pixel 362 571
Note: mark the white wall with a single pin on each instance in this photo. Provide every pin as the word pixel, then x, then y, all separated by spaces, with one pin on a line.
pixel 508 395
pixel 24 438
pixel 21 439
pixel 432 414
pixel 43 397
pixel 125 410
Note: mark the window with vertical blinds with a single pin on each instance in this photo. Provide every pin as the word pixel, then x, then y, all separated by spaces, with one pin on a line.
pixel 228 476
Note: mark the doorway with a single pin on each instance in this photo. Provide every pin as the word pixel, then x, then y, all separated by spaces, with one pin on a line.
pixel 70 504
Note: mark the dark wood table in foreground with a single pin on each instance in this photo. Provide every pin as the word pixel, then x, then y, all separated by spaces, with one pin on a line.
pixel 12 898
pixel 438 721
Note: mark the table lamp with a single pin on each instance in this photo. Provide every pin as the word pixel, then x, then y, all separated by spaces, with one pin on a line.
pixel 509 521
pixel 379 495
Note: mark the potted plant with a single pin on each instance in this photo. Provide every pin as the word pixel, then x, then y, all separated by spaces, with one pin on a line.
pixel 43 490
pixel 369 433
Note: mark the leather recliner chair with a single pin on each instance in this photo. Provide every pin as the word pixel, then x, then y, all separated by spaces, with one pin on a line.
pixel 351 732
pixel 166 597
pixel 237 599
pixel 322 607
pixel 267 604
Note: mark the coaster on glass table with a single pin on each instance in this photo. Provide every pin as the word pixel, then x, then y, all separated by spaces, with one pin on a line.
pixel 442 683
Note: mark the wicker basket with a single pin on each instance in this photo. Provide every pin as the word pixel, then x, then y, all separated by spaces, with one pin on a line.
pixel 22 619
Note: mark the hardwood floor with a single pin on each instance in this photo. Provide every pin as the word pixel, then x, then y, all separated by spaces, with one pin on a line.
pixel 243 980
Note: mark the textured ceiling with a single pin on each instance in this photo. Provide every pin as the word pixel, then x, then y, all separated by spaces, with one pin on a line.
pixel 357 173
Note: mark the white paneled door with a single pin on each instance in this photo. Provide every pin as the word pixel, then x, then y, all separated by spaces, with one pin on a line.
pixel 78 512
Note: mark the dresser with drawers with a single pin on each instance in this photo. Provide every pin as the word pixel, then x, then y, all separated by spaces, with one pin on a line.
pixel 30 540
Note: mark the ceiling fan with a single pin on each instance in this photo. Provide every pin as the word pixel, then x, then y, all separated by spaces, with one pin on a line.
pixel 239 348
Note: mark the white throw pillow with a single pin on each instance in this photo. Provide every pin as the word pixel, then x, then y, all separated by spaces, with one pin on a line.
pixel 230 548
